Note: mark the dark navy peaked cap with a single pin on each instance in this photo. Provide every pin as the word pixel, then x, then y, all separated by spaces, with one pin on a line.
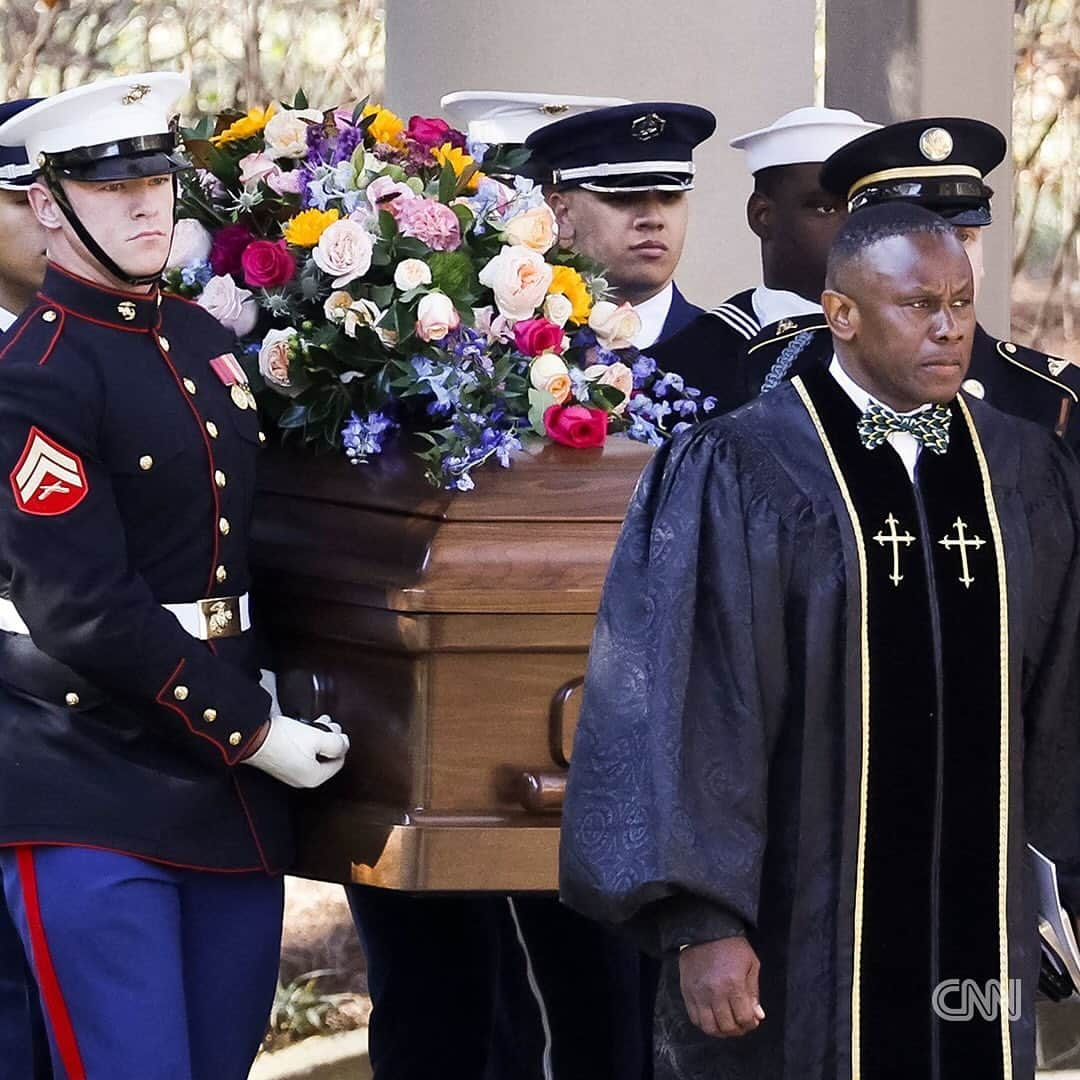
pixel 645 146
pixel 939 162
pixel 16 172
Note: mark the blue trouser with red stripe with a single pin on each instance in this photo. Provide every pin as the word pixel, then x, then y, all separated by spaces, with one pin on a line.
pixel 145 970
pixel 24 1051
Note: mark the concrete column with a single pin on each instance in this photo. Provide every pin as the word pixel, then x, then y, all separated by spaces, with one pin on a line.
pixel 928 58
pixel 748 63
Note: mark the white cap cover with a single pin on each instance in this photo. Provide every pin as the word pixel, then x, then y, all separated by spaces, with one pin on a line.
pixel 806 135
pixel 501 116
pixel 99 113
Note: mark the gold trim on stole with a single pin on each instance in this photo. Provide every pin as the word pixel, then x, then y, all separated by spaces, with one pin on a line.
pixel 1003 767
pixel 864 691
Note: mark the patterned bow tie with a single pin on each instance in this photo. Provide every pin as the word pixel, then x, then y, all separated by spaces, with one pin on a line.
pixel 930 427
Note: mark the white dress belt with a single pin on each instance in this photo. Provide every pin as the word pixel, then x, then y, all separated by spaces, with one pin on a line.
pixel 202 619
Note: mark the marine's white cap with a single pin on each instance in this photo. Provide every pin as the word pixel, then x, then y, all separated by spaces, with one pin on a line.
pixel 106 118
pixel 802 136
pixel 500 116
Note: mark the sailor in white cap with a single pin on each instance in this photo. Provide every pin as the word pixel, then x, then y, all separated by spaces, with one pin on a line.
pixel 795 220
pixel 144 819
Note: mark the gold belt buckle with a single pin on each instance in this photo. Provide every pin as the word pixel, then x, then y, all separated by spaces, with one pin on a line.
pixel 219 617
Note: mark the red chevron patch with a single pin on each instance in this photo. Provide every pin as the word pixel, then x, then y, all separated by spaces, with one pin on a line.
pixel 48 480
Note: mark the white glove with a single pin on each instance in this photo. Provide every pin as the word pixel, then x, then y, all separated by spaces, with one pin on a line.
pixel 301 755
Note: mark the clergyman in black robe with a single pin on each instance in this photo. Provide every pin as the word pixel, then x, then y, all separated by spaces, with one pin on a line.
pixel 831 698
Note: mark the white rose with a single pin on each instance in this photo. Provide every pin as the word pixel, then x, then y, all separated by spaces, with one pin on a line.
pixel 617 375
pixel 337 303
pixel 558 309
pixel 519 277
pixel 361 313
pixel 344 251
pixel 233 307
pixel 615 325
pixel 411 274
pixel 436 316
pixel 190 244
pixel 277 350
pixel 535 228
pixel 549 372
pixel 286 133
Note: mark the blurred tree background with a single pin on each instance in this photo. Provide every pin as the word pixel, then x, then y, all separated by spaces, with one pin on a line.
pixel 1046 152
pixel 241 53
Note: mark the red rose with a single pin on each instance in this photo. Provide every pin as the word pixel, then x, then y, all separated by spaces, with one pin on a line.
pixel 430 131
pixel 226 247
pixel 536 336
pixel 267 263
pixel 576 426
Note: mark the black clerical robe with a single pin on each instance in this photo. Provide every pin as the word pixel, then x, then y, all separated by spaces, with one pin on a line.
pixel 828 708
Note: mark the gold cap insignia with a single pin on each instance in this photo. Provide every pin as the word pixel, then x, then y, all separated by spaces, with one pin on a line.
pixel 1056 366
pixel 649 126
pixel 784 325
pixel 127 310
pixel 974 388
pixel 935 144
pixel 137 92
pixel 554 110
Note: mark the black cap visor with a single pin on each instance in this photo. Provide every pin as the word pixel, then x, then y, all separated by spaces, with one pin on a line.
pixel 125 159
pixel 952 198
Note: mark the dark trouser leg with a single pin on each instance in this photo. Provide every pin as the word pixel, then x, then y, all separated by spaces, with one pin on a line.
pixel 432 969
pixel 598 991
pixel 24 1048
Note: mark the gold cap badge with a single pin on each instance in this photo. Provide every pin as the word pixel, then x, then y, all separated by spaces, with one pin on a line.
pixel 935 144
pixel 137 92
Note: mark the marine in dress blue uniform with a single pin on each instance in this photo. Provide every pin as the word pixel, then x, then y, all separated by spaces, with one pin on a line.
pixel 795 221
pixel 141 853
pixel 23 1045
pixel 940 163
pixel 618 179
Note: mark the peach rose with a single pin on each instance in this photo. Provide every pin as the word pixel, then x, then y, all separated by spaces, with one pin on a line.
pixel 617 375
pixel 436 316
pixel 615 325
pixel 278 349
pixel 361 313
pixel 519 277
pixel 549 372
pixel 535 228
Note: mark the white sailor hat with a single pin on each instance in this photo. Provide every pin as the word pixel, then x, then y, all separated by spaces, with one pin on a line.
pixel 16 173
pixel 115 129
pixel 501 116
pixel 803 136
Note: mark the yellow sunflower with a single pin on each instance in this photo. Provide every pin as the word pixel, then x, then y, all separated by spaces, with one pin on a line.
pixel 305 229
pixel 566 280
pixel 245 127
pixel 387 127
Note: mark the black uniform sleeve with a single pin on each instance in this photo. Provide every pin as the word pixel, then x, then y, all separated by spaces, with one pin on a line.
pixel 71 578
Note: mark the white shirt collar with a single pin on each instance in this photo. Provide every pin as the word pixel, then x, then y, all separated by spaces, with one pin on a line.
pixel 6 319
pixel 772 305
pixel 653 314
pixel 904 443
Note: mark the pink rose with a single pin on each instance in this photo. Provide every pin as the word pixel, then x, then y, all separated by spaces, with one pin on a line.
pixel 267 263
pixel 430 131
pixel 389 195
pixel 576 425
pixel 430 222
pixel 232 306
pixel 519 277
pixel 536 336
pixel 344 251
pixel 256 169
pixel 436 316
pixel 227 247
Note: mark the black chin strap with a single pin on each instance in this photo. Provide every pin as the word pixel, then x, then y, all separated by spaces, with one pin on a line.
pixel 91 245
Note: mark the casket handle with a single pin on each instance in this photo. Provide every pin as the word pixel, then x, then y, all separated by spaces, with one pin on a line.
pixel 557 720
pixel 542 791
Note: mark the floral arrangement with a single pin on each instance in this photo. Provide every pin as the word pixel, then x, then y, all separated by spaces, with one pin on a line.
pixel 379 281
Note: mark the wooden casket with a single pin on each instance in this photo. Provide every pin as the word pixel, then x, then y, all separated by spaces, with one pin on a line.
pixel 448 634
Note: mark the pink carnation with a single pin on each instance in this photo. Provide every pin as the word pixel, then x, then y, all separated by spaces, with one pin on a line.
pixel 431 222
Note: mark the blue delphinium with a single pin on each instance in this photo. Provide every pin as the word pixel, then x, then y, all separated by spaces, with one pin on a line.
pixel 365 435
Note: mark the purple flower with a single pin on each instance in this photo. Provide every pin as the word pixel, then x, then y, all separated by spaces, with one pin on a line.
pixel 364 435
